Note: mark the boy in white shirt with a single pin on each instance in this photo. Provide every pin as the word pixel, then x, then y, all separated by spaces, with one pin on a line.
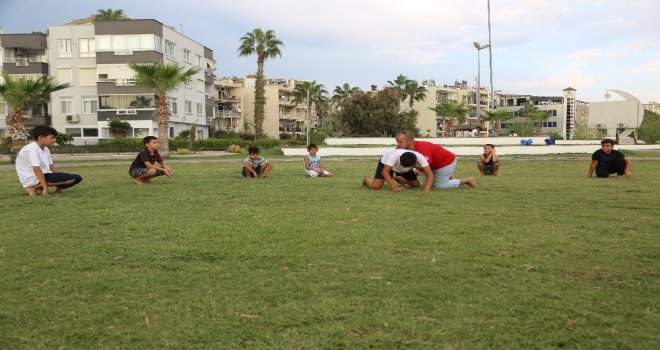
pixel 398 165
pixel 34 165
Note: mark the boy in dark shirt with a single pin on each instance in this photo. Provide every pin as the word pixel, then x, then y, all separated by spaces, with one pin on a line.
pixel 607 160
pixel 144 166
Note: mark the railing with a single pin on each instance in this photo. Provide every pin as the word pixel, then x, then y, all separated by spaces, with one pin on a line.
pixel 119 82
pixel 228 114
pixel 24 61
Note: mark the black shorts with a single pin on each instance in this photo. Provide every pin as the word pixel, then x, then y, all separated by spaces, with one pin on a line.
pixel 409 175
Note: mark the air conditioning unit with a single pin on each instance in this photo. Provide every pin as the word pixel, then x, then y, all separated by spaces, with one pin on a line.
pixel 622 125
pixel 71 118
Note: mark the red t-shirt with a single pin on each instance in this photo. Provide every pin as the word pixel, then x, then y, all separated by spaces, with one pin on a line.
pixel 437 156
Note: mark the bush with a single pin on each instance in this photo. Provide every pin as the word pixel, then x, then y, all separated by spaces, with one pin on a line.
pixel 182 151
pixel 555 135
pixel 234 149
pixel 285 136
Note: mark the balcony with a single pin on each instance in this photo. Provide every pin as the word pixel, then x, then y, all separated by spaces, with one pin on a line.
pixel 34 120
pixel 119 82
pixel 228 114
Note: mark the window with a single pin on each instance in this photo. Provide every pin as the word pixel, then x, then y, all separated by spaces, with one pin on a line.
pixel 65 75
pixel 64 48
pixel 66 105
pixel 75 132
pixel 126 102
pixel 200 109
pixel 171 105
pixel 128 42
pixel 87 47
pixel 90 132
pixel 198 60
pixel 89 104
pixel 200 134
pixel 187 107
pixel 549 124
pixel 157 44
pixel 171 132
pixel 87 76
pixel 186 55
pixel 170 50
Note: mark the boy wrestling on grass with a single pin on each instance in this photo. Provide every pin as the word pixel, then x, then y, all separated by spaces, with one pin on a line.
pixel 144 168
pixel 397 165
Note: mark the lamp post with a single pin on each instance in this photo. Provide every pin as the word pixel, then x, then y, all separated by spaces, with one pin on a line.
pixel 479 47
pixel 308 111
pixel 490 59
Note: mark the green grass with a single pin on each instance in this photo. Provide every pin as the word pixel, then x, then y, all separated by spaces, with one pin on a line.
pixel 541 257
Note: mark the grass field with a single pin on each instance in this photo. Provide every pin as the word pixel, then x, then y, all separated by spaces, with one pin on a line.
pixel 540 257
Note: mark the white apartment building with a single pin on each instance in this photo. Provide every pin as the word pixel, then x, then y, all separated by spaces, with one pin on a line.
pixel 93 58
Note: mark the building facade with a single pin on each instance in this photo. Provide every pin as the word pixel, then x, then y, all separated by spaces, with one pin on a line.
pixel 93 58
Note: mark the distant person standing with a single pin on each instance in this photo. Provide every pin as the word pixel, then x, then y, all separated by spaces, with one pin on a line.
pixel 35 168
pixel 607 160
pixel 442 162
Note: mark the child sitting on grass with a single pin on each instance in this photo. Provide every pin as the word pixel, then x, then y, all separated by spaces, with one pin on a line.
pixel 488 163
pixel 255 165
pixel 144 167
pixel 34 165
pixel 313 164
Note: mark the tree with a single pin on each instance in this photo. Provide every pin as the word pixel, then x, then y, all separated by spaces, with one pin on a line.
pixel 317 96
pixel 399 84
pixel 110 15
pixel 163 78
pixel 449 111
pixel 265 45
pixel 497 117
pixel 649 130
pixel 119 128
pixel 342 93
pixel 20 94
pixel 374 114
pixel 538 118
pixel 414 92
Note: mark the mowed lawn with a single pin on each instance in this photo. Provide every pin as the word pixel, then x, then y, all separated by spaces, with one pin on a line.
pixel 540 257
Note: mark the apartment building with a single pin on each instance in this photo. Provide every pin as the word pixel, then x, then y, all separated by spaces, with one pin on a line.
pixel 652 106
pixel 235 106
pixel 93 58
pixel 428 122
pixel 25 55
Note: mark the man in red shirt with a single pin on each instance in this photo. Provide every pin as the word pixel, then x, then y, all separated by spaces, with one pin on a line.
pixel 442 162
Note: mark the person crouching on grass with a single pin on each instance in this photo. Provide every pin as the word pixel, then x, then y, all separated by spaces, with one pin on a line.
pixel 607 160
pixel 397 165
pixel 144 168
pixel 35 168
pixel 488 163
pixel 254 165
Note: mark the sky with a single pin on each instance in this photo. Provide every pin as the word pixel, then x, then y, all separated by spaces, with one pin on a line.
pixel 539 47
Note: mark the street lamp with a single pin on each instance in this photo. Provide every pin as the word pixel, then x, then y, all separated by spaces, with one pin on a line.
pixel 479 47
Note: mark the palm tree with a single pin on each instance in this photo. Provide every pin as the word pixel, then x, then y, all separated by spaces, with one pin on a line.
pixel 265 45
pixel 414 92
pixel 399 85
pixel 532 113
pixel 342 93
pixel 315 92
pixel 497 117
pixel 20 94
pixel 448 110
pixel 110 15
pixel 163 78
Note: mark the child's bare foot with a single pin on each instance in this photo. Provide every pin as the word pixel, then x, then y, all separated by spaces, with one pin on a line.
pixel 471 181
pixel 365 181
pixel 139 182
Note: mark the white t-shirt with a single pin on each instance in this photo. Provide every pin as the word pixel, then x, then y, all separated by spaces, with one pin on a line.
pixel 391 158
pixel 29 156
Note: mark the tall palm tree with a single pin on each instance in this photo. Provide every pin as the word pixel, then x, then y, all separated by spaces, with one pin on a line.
pixel 414 92
pixel 448 111
pixel 317 96
pixel 342 93
pixel 266 46
pixel 497 117
pixel 163 78
pixel 110 15
pixel 20 94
